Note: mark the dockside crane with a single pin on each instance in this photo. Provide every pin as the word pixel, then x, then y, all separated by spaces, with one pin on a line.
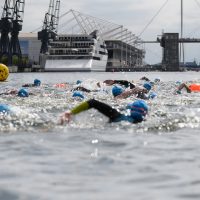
pixel 10 25
pixel 50 25
pixel 17 20
pixel 5 29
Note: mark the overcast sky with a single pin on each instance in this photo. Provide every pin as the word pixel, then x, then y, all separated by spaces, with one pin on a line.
pixel 132 14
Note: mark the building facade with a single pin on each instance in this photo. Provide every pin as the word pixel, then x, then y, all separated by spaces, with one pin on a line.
pixel 123 56
pixel 30 46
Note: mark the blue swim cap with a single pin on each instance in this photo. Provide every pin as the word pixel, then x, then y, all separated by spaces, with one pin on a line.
pixel 78 82
pixel 37 82
pixel 4 108
pixel 78 94
pixel 152 95
pixel 23 93
pixel 117 90
pixel 147 86
pixel 138 109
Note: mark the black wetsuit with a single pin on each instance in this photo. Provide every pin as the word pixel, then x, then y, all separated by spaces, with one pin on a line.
pixel 111 113
pixel 80 88
pixel 125 83
pixel 105 109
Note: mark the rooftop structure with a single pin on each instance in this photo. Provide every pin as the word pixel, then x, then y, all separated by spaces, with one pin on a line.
pixel 77 22
pixel 124 49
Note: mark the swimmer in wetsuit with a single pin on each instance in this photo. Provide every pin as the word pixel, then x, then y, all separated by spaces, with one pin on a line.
pixel 21 93
pixel 36 83
pixel 88 86
pixel 192 87
pixel 125 83
pixel 139 92
pixel 138 111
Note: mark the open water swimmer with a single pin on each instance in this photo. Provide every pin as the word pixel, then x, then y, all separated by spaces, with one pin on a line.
pixel 137 91
pixel 190 87
pixel 22 92
pixel 138 111
pixel 36 83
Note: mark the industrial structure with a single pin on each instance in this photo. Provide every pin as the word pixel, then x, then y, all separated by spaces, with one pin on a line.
pixel 170 58
pixel 171 45
pixel 125 53
pixel 50 25
pixel 10 26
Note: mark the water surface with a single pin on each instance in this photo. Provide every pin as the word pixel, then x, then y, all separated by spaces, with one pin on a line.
pixel 91 159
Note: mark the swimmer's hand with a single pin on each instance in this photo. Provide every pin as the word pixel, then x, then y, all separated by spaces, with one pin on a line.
pixel 177 92
pixel 65 117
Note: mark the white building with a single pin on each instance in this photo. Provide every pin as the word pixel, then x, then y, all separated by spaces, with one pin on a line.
pixel 30 46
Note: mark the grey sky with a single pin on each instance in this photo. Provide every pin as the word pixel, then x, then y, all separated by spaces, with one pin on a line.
pixel 133 14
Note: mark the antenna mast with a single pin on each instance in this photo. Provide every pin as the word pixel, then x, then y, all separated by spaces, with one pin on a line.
pixel 182 45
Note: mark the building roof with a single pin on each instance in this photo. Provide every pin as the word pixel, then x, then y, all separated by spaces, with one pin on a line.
pixel 76 22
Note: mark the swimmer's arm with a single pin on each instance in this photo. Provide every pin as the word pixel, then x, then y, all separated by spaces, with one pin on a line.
pixel 138 90
pixel 80 108
pixel 66 116
pixel 105 109
pixel 125 94
pixel 28 85
pixel 11 92
pixel 79 88
pixel 130 92
pixel 183 85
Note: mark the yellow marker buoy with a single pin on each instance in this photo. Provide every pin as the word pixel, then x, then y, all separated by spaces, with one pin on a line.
pixel 4 72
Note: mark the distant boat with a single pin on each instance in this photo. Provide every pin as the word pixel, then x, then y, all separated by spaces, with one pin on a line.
pixel 80 52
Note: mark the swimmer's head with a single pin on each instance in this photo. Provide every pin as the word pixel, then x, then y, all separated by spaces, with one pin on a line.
pixel 78 94
pixel 117 90
pixel 78 82
pixel 138 110
pixel 37 82
pixel 147 85
pixel 152 95
pixel 23 93
pixel 4 108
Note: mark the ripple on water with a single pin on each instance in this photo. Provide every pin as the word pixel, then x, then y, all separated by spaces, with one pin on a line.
pixel 92 159
pixel 168 112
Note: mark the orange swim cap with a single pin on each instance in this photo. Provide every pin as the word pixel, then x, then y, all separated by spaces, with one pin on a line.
pixel 195 87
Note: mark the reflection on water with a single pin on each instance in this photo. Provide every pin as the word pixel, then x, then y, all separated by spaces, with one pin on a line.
pixel 90 158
